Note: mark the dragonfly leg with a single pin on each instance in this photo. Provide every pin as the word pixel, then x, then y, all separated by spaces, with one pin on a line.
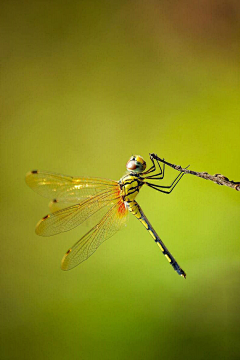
pixel 169 188
pixel 157 176
pixel 151 169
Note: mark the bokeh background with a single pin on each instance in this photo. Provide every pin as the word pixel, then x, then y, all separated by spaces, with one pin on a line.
pixel 84 85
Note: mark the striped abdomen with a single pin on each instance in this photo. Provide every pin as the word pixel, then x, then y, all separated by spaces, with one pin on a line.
pixel 135 209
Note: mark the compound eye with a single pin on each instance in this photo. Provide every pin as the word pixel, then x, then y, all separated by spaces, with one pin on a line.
pixel 131 165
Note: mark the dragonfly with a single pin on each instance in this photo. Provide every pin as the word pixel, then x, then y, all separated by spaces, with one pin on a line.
pixel 76 199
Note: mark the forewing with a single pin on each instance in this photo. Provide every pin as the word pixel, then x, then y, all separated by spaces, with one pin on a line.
pixel 113 221
pixel 72 216
pixel 66 188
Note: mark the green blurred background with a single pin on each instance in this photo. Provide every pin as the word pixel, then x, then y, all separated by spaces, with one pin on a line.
pixel 84 85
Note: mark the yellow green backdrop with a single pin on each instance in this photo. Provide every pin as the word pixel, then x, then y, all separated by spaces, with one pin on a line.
pixel 84 85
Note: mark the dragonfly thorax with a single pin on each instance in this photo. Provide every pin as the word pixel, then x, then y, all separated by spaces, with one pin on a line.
pixel 130 186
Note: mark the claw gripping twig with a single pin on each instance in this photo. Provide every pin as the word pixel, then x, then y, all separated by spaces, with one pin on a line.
pixel 217 178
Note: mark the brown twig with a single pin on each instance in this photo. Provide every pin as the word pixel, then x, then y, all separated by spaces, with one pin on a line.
pixel 216 178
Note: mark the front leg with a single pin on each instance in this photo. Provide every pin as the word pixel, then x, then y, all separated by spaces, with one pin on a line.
pixel 152 169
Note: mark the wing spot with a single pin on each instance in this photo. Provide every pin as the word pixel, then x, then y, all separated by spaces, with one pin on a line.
pixel 68 251
pixel 34 171
pixel 45 217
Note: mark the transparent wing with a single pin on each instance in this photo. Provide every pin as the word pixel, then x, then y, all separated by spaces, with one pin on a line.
pixel 66 188
pixel 56 205
pixel 113 221
pixel 72 216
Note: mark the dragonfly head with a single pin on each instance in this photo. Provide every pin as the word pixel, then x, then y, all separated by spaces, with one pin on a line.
pixel 136 164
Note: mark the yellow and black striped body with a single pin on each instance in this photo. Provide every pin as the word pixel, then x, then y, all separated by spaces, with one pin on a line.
pixel 130 185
